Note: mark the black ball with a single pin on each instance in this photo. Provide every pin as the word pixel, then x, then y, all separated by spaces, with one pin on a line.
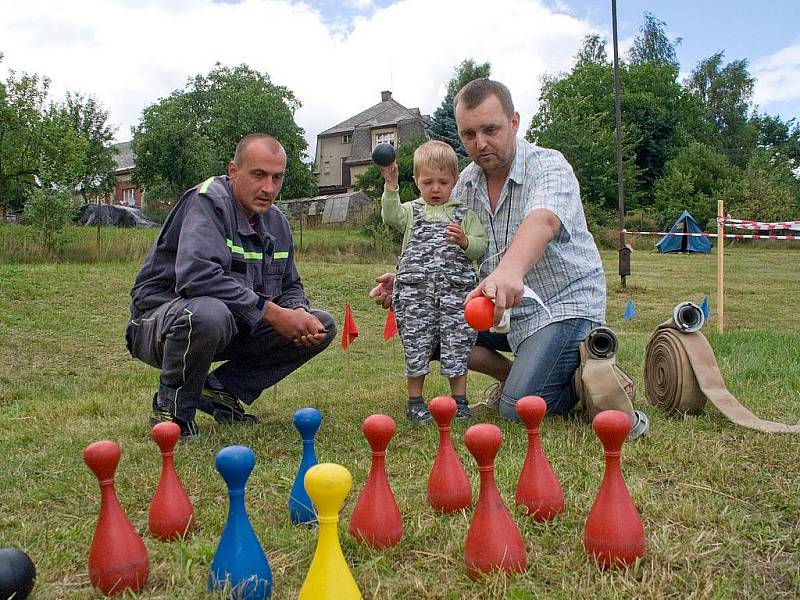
pixel 383 154
pixel 17 574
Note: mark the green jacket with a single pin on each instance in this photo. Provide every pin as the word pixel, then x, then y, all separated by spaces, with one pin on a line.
pixel 401 216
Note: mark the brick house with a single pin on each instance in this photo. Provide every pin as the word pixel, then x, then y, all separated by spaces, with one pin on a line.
pixel 125 191
pixel 344 151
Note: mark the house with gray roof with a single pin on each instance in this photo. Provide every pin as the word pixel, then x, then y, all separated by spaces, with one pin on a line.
pixel 345 150
pixel 126 193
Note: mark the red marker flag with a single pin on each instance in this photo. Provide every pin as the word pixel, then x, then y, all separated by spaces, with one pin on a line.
pixel 390 329
pixel 349 331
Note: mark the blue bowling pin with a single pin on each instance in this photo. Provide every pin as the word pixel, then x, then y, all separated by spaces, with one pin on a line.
pixel 240 559
pixel 301 509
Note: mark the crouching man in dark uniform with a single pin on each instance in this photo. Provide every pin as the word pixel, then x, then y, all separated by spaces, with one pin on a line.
pixel 220 284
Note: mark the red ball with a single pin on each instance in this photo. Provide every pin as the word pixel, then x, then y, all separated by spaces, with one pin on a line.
pixel 479 313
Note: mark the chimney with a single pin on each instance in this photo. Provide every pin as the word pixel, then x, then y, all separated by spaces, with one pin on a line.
pixel 386 95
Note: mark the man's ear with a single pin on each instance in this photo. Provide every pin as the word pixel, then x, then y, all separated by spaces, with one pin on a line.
pixel 232 169
pixel 515 122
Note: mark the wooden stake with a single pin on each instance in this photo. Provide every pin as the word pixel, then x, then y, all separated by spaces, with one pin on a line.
pixel 720 267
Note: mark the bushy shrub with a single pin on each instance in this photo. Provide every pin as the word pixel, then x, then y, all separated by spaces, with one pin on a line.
pixel 47 211
pixel 640 220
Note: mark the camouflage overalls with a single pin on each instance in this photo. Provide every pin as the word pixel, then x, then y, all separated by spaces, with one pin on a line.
pixel 433 278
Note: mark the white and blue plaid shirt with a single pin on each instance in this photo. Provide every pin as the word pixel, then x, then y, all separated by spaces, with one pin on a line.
pixel 569 277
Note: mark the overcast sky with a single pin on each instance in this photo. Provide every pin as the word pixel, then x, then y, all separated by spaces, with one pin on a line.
pixel 337 55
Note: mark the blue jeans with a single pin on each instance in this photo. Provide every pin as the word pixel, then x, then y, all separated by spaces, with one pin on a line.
pixel 544 365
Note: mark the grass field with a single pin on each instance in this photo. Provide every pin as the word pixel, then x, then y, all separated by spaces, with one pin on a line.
pixel 720 504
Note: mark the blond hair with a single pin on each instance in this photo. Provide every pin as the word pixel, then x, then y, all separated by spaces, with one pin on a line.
pixel 434 154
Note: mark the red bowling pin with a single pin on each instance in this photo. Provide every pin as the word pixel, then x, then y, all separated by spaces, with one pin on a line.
pixel 613 534
pixel 376 519
pixel 449 488
pixel 538 489
pixel 493 540
pixel 171 515
pixel 117 558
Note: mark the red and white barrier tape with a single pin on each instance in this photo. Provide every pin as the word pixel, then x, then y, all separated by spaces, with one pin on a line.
pixel 759 225
pixel 738 236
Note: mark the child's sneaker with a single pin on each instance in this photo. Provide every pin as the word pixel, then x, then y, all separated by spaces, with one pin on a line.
pixel 418 413
pixel 463 412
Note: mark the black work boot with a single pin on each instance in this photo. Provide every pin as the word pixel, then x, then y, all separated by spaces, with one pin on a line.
pixel 189 429
pixel 224 407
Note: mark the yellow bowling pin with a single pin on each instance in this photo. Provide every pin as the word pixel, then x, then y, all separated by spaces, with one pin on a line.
pixel 329 577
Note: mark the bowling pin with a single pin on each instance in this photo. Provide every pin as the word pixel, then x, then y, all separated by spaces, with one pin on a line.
pixel 117 558
pixel 171 515
pixel 376 519
pixel 449 488
pixel 493 540
pixel 239 562
pixel 328 577
pixel 538 489
pixel 613 534
pixel 301 510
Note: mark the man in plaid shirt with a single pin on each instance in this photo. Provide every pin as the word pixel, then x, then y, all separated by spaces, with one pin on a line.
pixel 528 200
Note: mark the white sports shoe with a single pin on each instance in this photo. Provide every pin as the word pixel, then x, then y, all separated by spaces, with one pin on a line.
pixel 491 396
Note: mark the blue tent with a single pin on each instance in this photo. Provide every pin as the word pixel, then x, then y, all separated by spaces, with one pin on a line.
pixel 684 243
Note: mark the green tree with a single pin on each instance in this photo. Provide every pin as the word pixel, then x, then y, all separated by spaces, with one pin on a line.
pixel 693 181
pixel 653 45
pixel 443 123
pixel 766 191
pixel 87 117
pixel 22 104
pixel 192 134
pixel 593 51
pixel 781 138
pixel 576 116
pixel 726 92
pixel 662 117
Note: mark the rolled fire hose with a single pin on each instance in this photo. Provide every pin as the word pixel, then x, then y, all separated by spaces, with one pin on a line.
pixel 681 373
pixel 599 383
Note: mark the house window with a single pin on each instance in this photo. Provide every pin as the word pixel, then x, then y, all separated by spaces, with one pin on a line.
pixel 347 138
pixel 385 138
pixel 129 196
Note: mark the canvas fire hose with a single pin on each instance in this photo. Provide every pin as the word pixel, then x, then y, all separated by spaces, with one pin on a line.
pixel 599 383
pixel 681 373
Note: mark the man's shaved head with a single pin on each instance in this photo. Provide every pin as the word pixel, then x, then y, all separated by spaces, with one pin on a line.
pixel 272 143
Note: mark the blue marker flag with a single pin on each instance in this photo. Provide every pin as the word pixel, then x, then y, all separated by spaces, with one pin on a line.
pixel 704 308
pixel 630 310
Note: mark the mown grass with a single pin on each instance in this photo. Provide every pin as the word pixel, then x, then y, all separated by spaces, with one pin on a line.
pixel 719 503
